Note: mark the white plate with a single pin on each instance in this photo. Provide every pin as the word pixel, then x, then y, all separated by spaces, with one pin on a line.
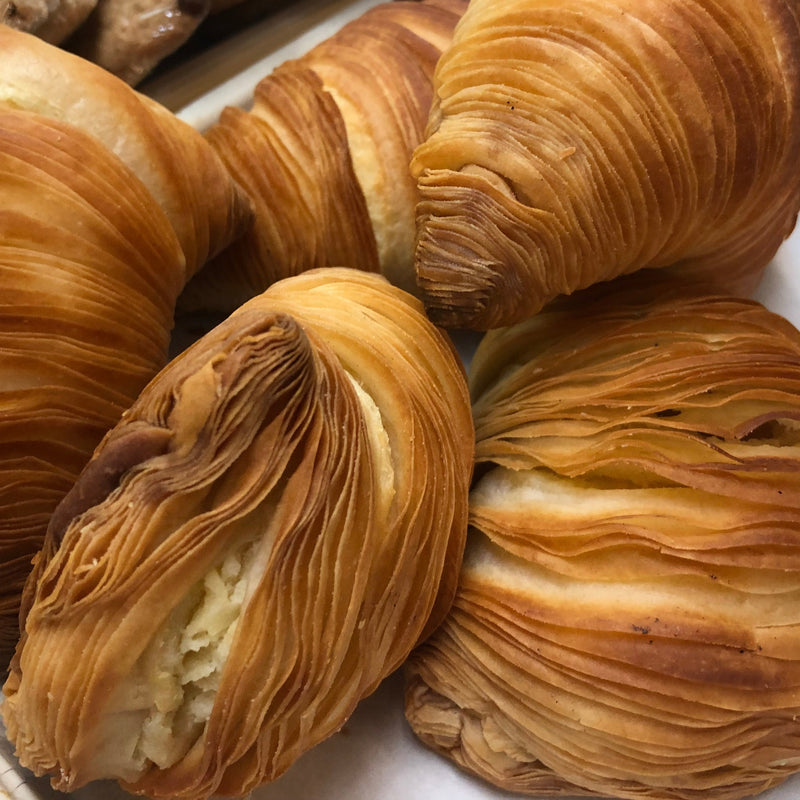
pixel 374 756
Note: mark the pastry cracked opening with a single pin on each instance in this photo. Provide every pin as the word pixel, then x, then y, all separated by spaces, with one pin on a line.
pixel 163 705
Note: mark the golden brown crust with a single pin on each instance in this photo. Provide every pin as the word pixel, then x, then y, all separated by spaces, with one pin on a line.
pixel 90 269
pixel 360 99
pixel 183 174
pixel 309 207
pixel 571 144
pixel 312 495
pixel 626 622
pixel 108 204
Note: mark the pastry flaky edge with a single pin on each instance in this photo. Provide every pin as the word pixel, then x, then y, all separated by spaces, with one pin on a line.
pixel 627 621
pixel 572 143
pixel 204 204
pixel 324 153
pixel 108 204
pixel 274 524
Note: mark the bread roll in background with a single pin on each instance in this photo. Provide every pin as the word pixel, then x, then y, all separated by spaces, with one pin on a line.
pixel 324 153
pixel 284 521
pixel 50 20
pixel 573 142
pixel 130 38
pixel 109 203
pixel 627 622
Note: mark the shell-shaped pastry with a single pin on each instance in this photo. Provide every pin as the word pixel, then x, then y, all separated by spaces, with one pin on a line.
pixel 90 269
pixel 627 622
pixel 185 177
pixel 274 524
pixel 107 204
pixel 324 153
pixel 570 143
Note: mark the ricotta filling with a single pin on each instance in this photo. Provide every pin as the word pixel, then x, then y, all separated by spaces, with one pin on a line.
pixel 163 706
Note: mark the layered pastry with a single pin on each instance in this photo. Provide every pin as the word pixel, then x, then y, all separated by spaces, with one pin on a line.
pixel 277 520
pixel 108 203
pixel 324 152
pixel 627 622
pixel 573 142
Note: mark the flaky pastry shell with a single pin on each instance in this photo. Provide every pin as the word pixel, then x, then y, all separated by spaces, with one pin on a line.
pixel 627 622
pixel 573 142
pixel 274 524
pixel 324 153
pixel 90 269
pixel 107 204
pixel 185 177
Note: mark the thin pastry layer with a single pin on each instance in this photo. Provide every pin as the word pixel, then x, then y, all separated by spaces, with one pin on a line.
pixel 90 269
pixel 205 206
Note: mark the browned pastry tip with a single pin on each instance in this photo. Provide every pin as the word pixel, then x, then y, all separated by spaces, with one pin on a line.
pixel 626 623
pixel 572 143
pixel 276 521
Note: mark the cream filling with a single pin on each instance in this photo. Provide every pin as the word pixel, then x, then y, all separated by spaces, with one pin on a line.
pixel 163 706
pixel 184 663
pixel 380 447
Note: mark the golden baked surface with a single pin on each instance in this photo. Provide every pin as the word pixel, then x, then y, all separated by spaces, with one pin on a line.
pixel 572 142
pixel 108 203
pixel 627 622
pixel 324 153
pixel 274 524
